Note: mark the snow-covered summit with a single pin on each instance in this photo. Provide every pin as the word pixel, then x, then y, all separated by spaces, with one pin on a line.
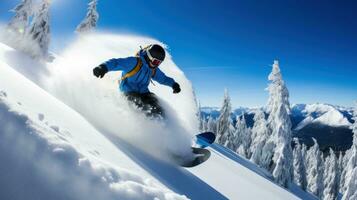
pixel 304 114
pixel 333 118
pixel 323 114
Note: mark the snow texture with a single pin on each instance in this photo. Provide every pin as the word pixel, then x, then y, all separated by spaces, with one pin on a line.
pixel 72 157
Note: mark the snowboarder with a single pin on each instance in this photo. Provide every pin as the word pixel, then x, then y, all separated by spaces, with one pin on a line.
pixel 137 74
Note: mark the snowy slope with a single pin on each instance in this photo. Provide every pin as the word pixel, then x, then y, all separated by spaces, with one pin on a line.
pixel 58 146
pixel 308 120
pixel 231 168
pixel 64 152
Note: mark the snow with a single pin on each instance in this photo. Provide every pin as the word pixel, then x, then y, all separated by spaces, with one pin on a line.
pixel 308 120
pixel 317 108
pixel 232 178
pixel 99 101
pixel 333 118
pixel 40 128
pixel 76 136
pixel 319 113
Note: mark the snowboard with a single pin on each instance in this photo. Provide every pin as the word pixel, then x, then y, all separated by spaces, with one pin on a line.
pixel 200 142
pixel 200 156
pixel 204 139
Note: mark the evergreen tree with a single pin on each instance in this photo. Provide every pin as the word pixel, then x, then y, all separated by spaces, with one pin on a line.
pixel 330 177
pixel 238 139
pixel 351 156
pixel 345 160
pixel 280 124
pixel 242 138
pixel 230 140
pixel 351 190
pixel 91 19
pixel 299 166
pixel 315 170
pixel 304 155
pixel 21 20
pixel 266 160
pixel 340 171
pixel 259 137
pixel 203 125
pixel 211 124
pixel 224 120
pixel 39 31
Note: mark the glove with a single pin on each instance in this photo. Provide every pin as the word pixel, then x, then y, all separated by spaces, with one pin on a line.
pixel 100 71
pixel 176 88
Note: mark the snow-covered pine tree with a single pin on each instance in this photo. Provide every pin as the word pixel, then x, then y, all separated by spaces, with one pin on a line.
pixel 278 92
pixel 266 160
pixel 351 155
pixel 91 19
pixel 280 125
pixel 39 31
pixel 299 166
pixel 239 128
pixel 315 170
pixel 260 135
pixel 340 171
pixel 330 177
pixel 211 124
pixel 242 138
pixel 351 189
pixel 224 119
pixel 345 160
pixel 304 155
pixel 203 124
pixel 21 20
pixel 229 142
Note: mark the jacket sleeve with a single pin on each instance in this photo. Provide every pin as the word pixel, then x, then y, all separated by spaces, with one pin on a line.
pixel 124 64
pixel 161 78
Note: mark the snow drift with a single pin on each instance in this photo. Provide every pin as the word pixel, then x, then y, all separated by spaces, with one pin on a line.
pixel 48 151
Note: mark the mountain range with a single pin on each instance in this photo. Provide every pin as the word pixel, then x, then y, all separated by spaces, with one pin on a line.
pixel 328 124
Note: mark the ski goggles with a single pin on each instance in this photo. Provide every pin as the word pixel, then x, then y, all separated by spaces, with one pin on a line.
pixel 154 61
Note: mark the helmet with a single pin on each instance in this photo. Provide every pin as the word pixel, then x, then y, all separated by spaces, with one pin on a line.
pixel 155 54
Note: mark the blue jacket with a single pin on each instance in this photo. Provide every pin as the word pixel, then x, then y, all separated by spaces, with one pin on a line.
pixel 140 81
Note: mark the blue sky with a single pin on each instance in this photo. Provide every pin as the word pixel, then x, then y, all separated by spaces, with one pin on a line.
pixel 232 44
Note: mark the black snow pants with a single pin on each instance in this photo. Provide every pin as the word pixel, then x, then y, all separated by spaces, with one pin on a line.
pixel 147 102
